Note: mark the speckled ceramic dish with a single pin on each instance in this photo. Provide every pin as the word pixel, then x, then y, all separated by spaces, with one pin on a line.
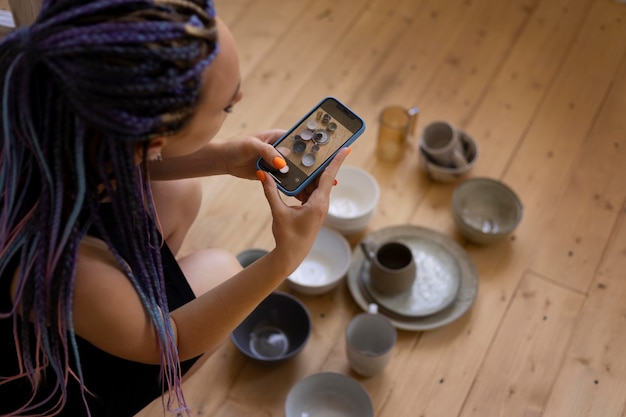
pixel 445 255
pixel 436 283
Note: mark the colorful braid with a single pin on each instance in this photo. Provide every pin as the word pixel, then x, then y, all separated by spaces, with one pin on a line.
pixel 81 87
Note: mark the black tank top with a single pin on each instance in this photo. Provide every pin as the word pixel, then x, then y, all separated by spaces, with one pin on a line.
pixel 118 387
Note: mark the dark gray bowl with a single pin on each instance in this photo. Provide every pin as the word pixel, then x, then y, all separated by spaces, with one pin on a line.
pixel 276 330
pixel 248 256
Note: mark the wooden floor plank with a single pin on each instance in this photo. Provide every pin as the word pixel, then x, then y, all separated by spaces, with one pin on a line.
pixel 523 361
pixel 459 80
pixel 509 74
pixel 262 24
pixel 593 379
pixel 575 238
pixel 501 266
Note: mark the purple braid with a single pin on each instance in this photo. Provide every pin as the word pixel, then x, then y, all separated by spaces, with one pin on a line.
pixel 81 88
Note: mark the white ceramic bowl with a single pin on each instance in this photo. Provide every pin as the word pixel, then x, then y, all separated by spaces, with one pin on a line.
pixel 353 201
pixel 485 210
pixel 440 173
pixel 325 265
pixel 328 394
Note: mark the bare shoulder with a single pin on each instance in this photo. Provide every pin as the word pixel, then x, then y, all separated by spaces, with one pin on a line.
pixel 107 310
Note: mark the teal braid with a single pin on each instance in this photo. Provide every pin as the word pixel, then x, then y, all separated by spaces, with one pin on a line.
pixel 82 87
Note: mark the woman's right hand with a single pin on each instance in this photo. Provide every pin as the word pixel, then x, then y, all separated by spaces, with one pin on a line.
pixel 295 227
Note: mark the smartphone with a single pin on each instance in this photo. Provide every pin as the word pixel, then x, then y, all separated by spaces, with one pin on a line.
pixel 310 145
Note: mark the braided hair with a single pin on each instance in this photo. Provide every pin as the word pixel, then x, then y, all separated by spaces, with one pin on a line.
pixel 81 88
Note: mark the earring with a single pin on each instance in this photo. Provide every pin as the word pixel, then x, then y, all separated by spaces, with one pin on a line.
pixel 157 157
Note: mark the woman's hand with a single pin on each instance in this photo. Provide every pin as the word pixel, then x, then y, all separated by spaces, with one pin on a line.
pixel 241 153
pixel 236 156
pixel 296 227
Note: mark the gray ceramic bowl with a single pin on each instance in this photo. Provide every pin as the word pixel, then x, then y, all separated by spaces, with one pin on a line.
pixel 276 330
pixel 440 173
pixel 328 394
pixel 485 210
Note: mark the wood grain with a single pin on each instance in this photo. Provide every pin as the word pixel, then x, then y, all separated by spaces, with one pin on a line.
pixel 541 86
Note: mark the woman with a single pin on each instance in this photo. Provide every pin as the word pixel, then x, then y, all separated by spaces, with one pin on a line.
pixel 105 103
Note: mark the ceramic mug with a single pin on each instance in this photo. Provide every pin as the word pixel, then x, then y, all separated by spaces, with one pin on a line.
pixel 441 141
pixel 392 266
pixel 370 338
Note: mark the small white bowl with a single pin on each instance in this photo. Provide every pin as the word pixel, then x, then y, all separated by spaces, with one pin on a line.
pixel 328 394
pixel 325 265
pixel 353 201
pixel 440 173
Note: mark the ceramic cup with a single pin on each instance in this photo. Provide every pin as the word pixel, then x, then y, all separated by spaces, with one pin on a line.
pixel 392 266
pixel 370 338
pixel 396 125
pixel 441 141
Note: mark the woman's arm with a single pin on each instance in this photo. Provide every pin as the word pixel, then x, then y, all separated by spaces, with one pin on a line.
pixel 235 156
pixel 108 312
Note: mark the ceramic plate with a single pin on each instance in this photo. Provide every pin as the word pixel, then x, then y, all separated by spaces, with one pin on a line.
pixel 419 238
pixel 436 282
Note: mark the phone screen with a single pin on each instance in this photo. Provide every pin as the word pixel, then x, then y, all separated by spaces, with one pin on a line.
pixel 310 145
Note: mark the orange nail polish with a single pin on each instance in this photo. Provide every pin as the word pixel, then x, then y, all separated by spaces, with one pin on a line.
pixel 349 150
pixel 279 162
pixel 335 182
pixel 260 175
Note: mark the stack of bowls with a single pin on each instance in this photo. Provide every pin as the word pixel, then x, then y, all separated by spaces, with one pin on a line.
pixel 353 201
pixel 440 173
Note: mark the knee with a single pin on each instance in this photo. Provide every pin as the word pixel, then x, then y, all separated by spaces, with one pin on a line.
pixel 206 269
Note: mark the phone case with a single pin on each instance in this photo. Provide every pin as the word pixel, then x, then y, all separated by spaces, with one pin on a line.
pixel 310 177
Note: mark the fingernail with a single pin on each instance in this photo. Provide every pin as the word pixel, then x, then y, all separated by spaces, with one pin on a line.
pixel 260 175
pixel 349 150
pixel 335 182
pixel 279 163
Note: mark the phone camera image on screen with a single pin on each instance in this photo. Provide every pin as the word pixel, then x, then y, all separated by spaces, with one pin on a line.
pixel 309 145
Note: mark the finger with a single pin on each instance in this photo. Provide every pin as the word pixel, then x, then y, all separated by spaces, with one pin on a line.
pixel 272 135
pixel 274 158
pixel 270 190
pixel 327 178
pixel 328 175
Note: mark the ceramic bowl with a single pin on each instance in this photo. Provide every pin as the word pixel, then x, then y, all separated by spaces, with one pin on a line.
pixel 328 394
pixel 276 330
pixel 485 210
pixel 353 201
pixel 325 265
pixel 246 257
pixel 440 173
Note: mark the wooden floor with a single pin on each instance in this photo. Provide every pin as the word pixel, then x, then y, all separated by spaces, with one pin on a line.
pixel 541 85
